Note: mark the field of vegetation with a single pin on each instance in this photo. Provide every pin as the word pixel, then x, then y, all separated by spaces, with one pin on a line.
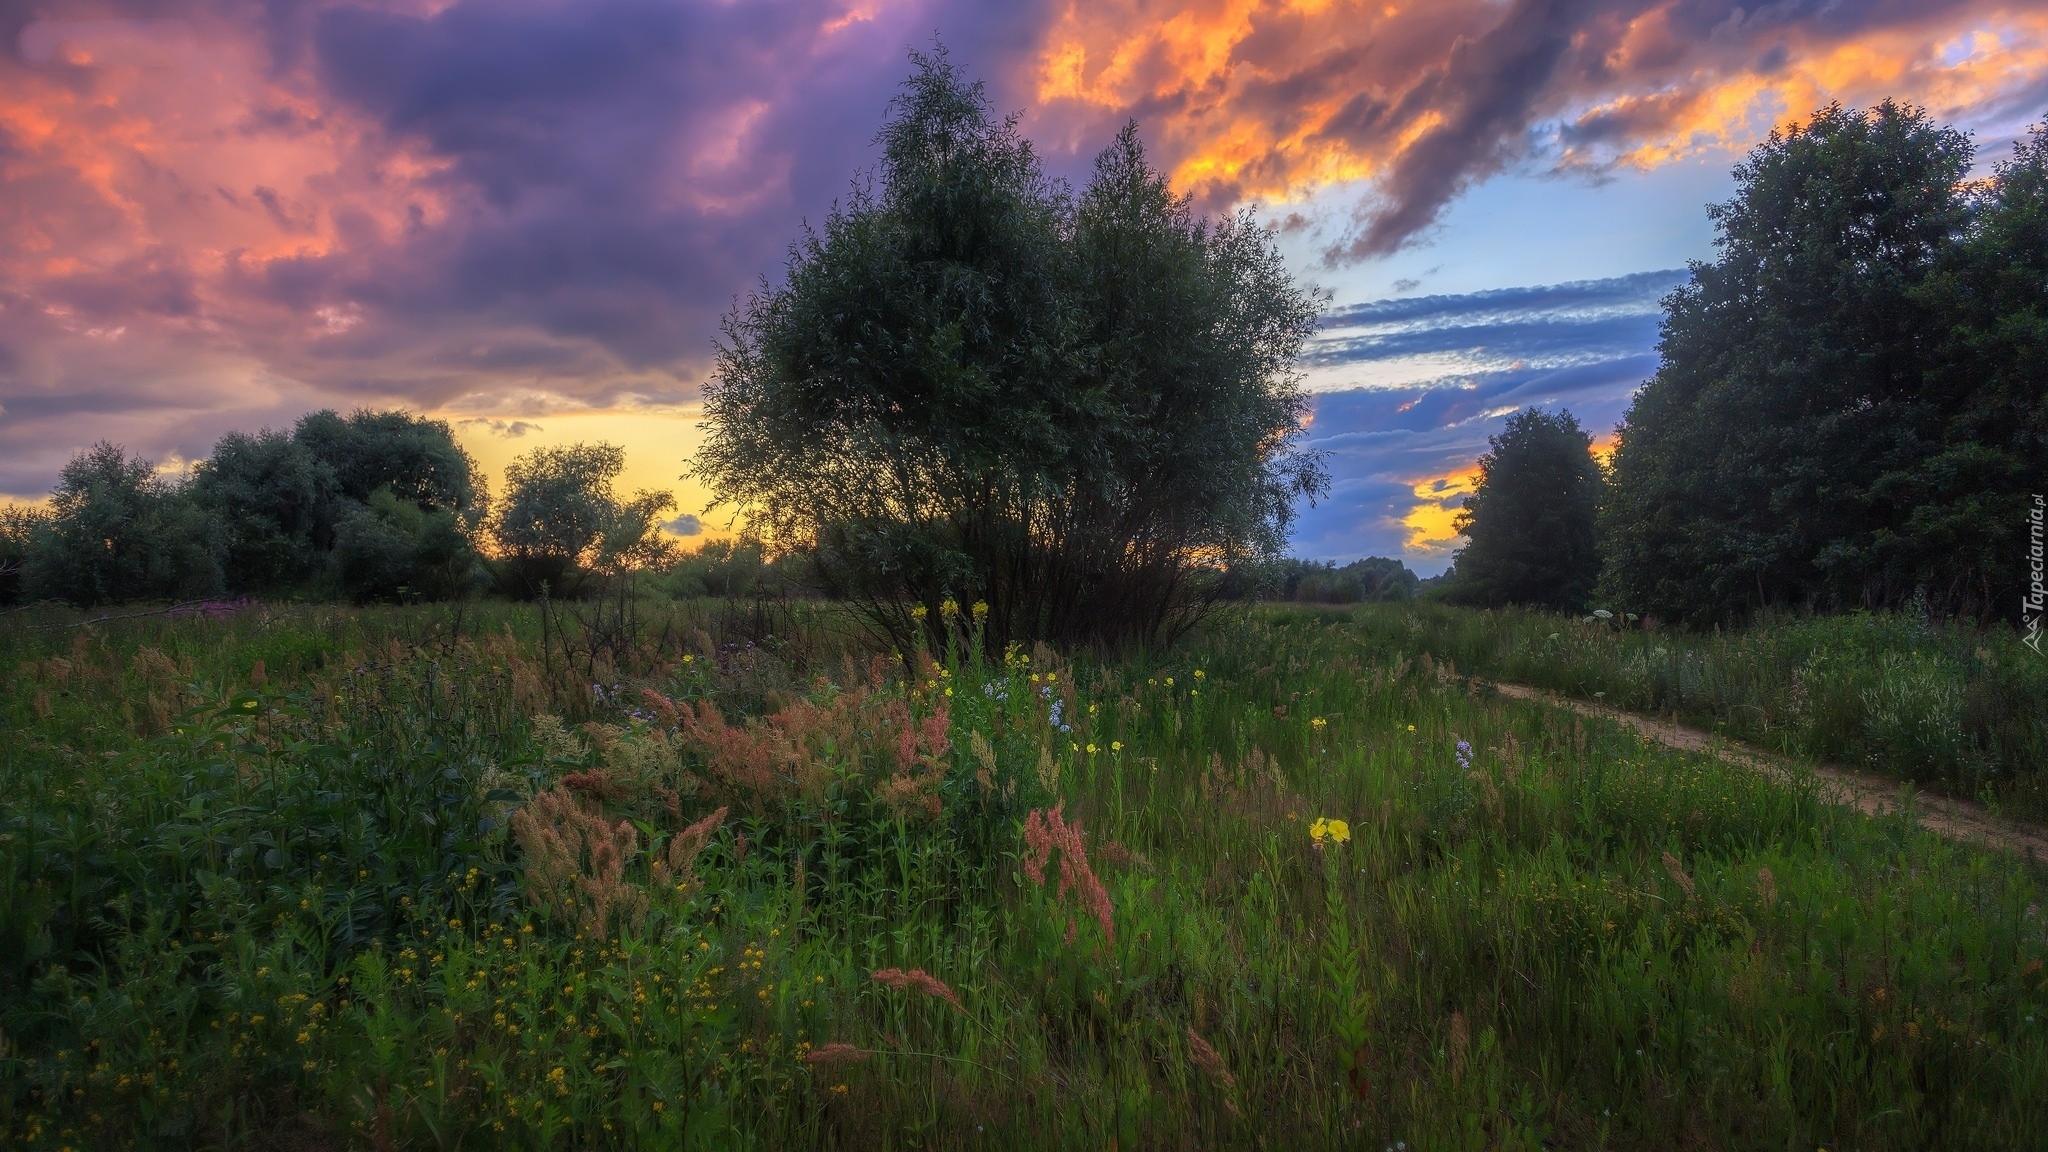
pixel 1943 704
pixel 435 877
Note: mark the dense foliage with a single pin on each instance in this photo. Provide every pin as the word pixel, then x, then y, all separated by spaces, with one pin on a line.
pixel 372 505
pixel 1308 581
pixel 561 520
pixel 118 531
pixel 1532 520
pixel 397 877
pixel 974 387
pixel 1850 409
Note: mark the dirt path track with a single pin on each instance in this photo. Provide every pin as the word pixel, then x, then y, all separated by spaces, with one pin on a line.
pixel 1954 819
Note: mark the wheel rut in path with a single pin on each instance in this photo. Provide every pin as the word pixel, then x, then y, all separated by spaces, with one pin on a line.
pixel 1961 820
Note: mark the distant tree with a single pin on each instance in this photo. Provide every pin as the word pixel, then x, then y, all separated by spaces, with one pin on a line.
pixel 18 527
pixel 389 548
pixel 1375 578
pixel 972 387
pixel 561 519
pixel 1382 578
pixel 416 458
pixel 1532 519
pixel 1777 455
pixel 277 501
pixel 117 531
pixel 719 568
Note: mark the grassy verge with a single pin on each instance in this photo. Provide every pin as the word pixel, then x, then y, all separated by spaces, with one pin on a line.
pixel 407 888
pixel 1947 705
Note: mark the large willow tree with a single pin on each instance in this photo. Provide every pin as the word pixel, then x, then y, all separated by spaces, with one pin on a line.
pixel 975 387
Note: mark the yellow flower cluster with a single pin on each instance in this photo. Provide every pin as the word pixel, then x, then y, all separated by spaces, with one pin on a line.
pixel 1336 831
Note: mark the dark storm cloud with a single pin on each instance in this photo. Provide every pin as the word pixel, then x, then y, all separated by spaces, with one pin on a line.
pixel 1416 102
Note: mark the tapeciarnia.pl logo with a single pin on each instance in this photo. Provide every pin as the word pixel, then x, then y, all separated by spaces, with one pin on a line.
pixel 2031 606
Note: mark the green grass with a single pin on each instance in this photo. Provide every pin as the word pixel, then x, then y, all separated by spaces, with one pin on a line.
pixel 1942 704
pixel 289 913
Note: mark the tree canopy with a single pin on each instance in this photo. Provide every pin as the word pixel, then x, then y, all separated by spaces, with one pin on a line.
pixel 1532 521
pixel 560 518
pixel 117 531
pixel 973 386
pixel 1849 398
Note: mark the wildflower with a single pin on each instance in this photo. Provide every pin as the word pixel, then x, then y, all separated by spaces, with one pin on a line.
pixel 1677 871
pixel 919 980
pixel 1091 748
pixel 918 613
pixel 980 609
pixel 1319 723
pixel 837 1052
pixel 1212 1066
pixel 1116 745
pixel 949 608
pixel 1411 727
pixel 1047 834
pixel 1201 675
pixel 1336 831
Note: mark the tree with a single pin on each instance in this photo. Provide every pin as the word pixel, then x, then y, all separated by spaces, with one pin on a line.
pixel 1532 518
pixel 117 531
pixel 1761 465
pixel 18 528
pixel 277 501
pixel 561 519
pixel 389 548
pixel 416 458
pixel 972 387
pixel 1964 502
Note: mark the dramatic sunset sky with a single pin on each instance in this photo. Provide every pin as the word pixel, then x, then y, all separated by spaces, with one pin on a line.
pixel 527 216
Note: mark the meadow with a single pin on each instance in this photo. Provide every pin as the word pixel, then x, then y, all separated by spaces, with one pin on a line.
pixel 1938 703
pixel 698 875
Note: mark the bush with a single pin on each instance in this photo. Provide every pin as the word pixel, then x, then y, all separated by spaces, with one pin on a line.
pixel 116 531
pixel 391 549
pixel 18 527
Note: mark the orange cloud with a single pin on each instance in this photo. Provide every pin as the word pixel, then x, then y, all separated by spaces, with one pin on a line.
pixel 166 152
pixel 1431 521
pixel 1276 99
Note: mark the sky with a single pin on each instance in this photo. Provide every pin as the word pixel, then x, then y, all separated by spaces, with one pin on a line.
pixel 527 217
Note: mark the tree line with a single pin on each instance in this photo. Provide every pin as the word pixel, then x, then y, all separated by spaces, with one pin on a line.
pixel 370 506
pixel 1851 408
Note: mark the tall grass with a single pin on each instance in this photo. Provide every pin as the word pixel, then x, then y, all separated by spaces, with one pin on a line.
pixel 952 904
pixel 1938 703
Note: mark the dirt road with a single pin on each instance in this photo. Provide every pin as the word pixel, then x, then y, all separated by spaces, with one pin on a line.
pixel 1954 819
